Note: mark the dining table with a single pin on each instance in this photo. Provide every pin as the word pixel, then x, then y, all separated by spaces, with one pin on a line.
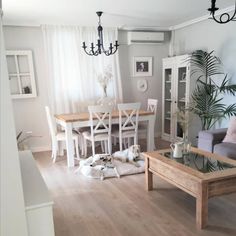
pixel 72 121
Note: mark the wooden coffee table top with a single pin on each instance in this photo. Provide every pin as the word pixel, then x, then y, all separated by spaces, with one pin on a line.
pixel 216 167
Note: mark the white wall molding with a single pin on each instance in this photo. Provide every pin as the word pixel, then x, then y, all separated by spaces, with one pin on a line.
pixel 143 28
pixel 202 18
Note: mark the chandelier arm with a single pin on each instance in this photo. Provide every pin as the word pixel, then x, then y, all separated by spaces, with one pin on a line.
pixel 229 18
pixel 221 21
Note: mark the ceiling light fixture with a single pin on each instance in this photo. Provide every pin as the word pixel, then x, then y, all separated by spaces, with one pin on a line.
pixel 223 18
pixel 95 51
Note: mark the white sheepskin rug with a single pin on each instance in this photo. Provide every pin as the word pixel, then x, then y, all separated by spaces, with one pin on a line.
pixel 94 168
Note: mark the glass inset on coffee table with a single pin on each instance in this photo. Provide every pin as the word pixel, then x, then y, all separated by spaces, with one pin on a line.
pixel 200 162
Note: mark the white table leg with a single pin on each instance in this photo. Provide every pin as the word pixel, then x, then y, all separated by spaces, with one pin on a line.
pixel 69 145
pixel 150 137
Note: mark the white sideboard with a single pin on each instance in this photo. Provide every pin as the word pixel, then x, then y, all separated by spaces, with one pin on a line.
pixel 38 203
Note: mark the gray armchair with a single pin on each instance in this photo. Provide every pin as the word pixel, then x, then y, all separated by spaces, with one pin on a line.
pixel 211 141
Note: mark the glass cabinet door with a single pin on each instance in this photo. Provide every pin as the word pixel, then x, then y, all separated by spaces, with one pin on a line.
pixel 168 73
pixel 180 101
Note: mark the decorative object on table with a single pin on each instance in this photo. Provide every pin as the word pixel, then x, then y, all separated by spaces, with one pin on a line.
pixel 100 46
pixel 142 66
pixel 177 149
pixel 104 79
pixel 183 121
pixel 142 85
pixel 26 90
pixel 207 102
pixel 224 17
pixel 21 74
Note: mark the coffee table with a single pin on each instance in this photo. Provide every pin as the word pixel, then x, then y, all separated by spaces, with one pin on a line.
pixel 199 173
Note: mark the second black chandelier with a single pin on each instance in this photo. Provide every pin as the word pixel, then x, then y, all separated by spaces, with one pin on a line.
pixel 223 18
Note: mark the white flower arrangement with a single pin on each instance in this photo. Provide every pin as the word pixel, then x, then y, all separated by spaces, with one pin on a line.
pixel 104 79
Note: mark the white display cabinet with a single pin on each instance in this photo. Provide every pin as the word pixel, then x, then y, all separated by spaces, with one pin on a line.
pixel 176 92
pixel 21 74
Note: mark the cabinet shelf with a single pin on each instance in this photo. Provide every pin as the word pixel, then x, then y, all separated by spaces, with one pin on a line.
pixel 182 100
pixel 20 74
pixel 168 99
pixel 182 81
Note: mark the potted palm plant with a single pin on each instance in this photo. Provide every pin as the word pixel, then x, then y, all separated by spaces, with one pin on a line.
pixel 212 83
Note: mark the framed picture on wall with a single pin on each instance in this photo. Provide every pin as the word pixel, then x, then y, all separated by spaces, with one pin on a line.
pixel 142 66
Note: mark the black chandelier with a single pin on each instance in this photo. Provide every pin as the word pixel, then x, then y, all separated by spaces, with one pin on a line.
pixel 223 18
pixel 95 51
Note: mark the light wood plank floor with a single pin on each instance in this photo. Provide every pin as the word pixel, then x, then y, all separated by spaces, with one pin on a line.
pixel 116 207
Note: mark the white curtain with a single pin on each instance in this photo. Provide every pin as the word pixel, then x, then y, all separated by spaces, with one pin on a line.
pixel 73 83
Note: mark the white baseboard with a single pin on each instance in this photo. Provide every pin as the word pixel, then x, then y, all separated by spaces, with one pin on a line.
pixel 41 149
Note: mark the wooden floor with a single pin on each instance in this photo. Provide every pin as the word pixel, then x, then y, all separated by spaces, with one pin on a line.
pixel 88 207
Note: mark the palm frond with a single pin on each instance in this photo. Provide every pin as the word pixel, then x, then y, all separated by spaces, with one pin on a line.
pixel 224 88
pixel 230 110
pixel 205 64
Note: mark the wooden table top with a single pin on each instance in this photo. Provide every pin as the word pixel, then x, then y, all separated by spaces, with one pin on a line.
pixel 84 116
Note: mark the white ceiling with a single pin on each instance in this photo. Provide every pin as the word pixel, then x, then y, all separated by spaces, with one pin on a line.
pixel 119 13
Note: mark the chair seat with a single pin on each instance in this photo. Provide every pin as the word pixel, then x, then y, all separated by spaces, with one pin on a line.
pixel 97 137
pixel 61 136
pixel 125 134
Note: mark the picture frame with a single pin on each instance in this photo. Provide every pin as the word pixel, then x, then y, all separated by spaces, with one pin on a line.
pixel 142 66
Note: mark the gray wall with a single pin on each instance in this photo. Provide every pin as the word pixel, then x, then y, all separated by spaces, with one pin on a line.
pixel 209 35
pixel 129 83
pixel 30 113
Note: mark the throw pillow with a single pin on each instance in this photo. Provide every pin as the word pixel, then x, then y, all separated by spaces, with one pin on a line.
pixel 231 132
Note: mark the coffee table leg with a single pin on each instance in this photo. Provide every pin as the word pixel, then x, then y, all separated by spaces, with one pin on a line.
pixel 202 206
pixel 148 176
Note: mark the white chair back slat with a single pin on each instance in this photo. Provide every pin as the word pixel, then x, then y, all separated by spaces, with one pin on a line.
pixel 100 119
pixel 152 105
pixel 129 111
pixel 100 123
pixel 128 120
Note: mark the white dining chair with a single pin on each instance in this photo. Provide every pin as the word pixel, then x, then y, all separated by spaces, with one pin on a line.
pixel 152 107
pixel 128 123
pixel 100 128
pixel 57 137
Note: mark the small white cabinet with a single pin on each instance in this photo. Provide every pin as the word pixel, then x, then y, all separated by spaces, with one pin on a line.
pixel 176 91
pixel 38 203
pixel 21 73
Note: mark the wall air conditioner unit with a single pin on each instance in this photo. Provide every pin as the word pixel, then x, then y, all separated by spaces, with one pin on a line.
pixel 145 37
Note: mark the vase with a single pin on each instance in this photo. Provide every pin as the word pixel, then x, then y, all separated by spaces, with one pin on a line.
pixel 187 144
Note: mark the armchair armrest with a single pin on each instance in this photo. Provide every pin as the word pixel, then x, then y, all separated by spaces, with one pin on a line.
pixel 208 138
